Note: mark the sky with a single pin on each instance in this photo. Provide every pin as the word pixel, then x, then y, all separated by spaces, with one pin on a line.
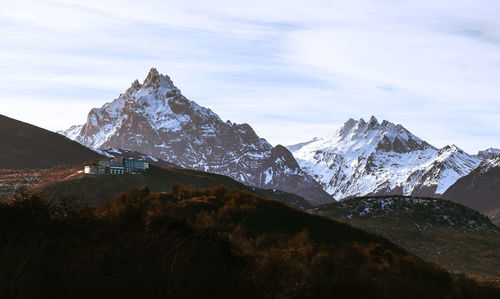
pixel 293 70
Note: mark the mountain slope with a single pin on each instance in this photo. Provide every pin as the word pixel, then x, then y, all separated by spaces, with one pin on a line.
pixel 456 237
pixel 480 189
pixel 365 158
pixel 96 190
pixel 154 118
pixel 28 146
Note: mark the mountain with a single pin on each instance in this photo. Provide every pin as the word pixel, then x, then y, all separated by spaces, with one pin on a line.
pixel 154 118
pixel 480 189
pixel 28 146
pixel 437 230
pixel 488 153
pixel 366 158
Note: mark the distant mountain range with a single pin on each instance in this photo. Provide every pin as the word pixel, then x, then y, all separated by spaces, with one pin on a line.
pixel 372 158
pixel 27 146
pixel 363 157
pixel 154 118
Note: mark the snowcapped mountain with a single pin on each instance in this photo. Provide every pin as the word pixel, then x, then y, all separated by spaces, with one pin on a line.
pixel 488 153
pixel 366 158
pixel 155 119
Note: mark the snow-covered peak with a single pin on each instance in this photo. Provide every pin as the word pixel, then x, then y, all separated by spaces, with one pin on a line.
pixel 373 123
pixel 156 87
pixel 488 153
pixel 368 157
pixel 451 149
pixel 361 137
pixel 156 79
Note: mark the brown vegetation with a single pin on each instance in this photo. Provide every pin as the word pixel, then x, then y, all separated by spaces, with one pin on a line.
pixel 192 243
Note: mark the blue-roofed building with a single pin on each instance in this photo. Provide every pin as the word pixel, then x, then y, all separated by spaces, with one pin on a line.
pixel 118 166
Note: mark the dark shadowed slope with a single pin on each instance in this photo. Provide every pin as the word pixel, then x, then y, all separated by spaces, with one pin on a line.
pixel 27 146
pixel 480 189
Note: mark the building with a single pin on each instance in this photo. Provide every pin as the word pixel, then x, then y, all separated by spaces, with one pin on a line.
pixel 91 170
pixel 133 166
pixel 118 166
pixel 111 167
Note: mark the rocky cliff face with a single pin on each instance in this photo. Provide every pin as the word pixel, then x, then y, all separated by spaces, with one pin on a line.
pixel 368 158
pixel 154 118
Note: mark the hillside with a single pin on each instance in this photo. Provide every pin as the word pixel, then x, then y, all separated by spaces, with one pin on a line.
pixel 480 190
pixel 213 243
pixel 96 190
pixel 456 237
pixel 28 146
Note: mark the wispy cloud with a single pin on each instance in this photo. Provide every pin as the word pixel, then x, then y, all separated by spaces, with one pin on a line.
pixel 291 69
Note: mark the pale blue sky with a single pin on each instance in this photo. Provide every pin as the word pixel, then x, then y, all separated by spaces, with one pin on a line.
pixel 291 69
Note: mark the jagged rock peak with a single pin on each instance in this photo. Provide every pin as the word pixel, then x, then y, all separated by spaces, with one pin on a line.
pixel 156 79
pixel 348 126
pixel 153 76
pixel 451 148
pixel 373 122
pixel 136 85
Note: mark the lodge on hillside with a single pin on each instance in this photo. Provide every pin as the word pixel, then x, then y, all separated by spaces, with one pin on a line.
pixel 118 166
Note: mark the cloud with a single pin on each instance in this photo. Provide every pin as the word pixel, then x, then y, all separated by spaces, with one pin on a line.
pixel 291 69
